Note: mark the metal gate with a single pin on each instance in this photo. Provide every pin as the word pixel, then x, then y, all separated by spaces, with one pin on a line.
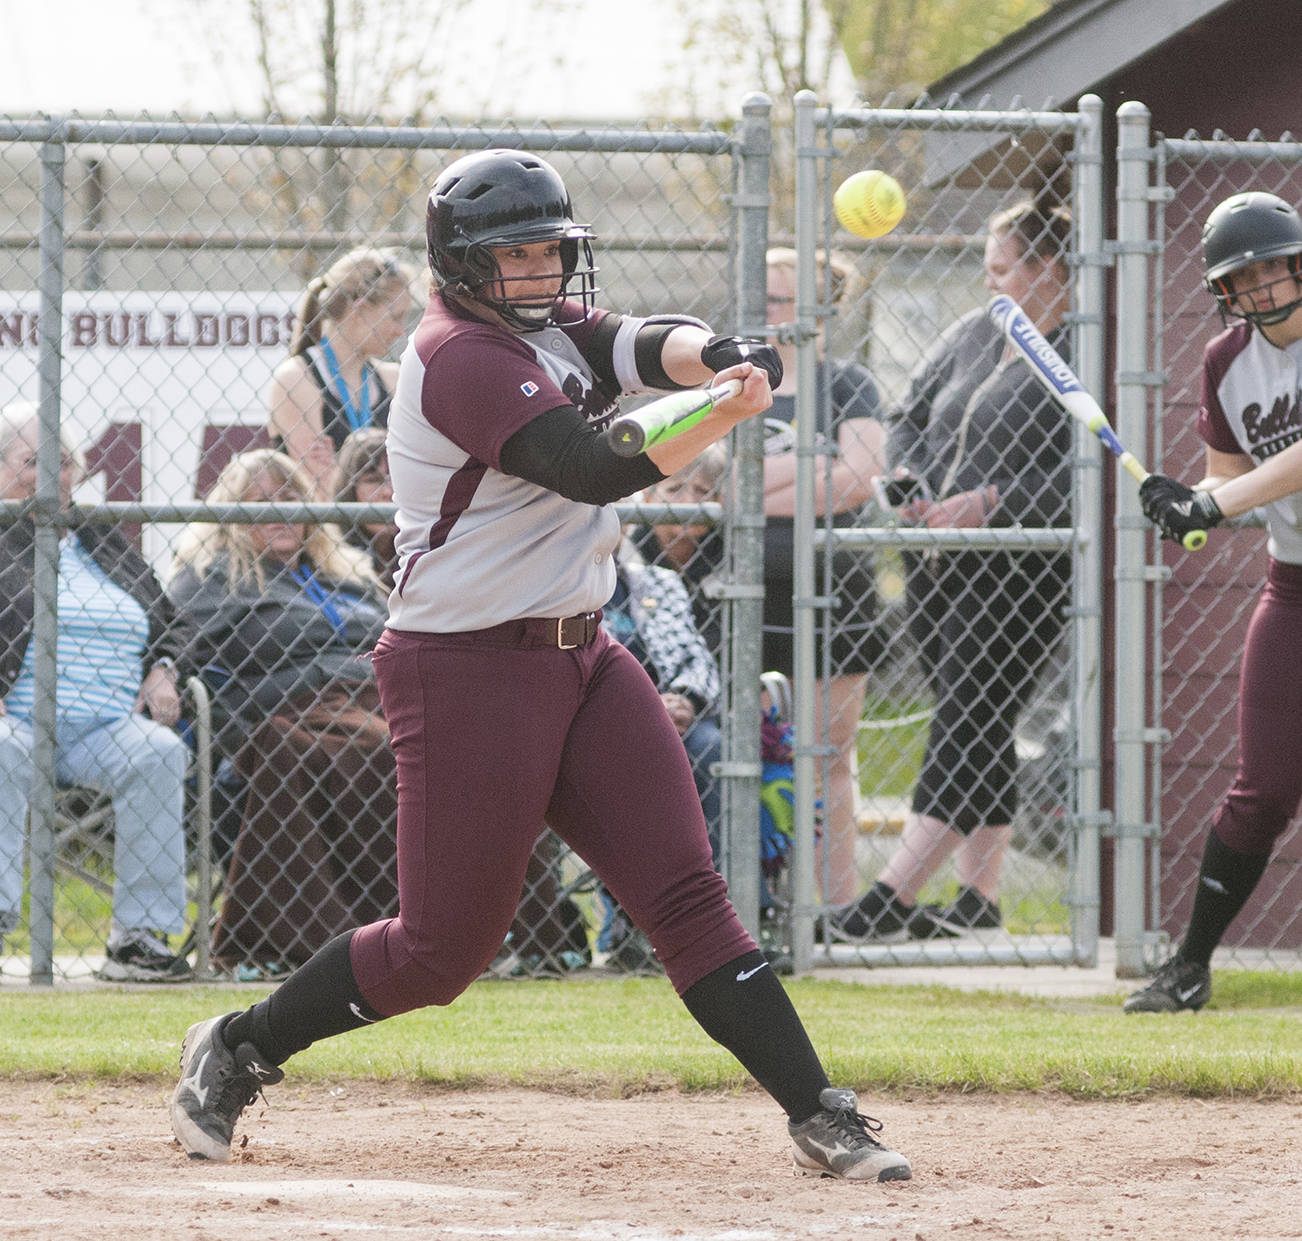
pixel 957 169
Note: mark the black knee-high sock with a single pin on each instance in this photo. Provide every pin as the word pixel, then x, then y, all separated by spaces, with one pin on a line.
pixel 318 1000
pixel 1226 879
pixel 743 1006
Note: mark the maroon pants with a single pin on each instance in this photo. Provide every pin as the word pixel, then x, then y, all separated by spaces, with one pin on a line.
pixel 1268 784
pixel 494 738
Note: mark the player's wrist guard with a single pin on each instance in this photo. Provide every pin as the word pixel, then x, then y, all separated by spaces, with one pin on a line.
pixel 721 352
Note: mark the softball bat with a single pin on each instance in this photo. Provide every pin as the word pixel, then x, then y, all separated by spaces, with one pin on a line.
pixel 869 203
pixel 660 420
pixel 1060 381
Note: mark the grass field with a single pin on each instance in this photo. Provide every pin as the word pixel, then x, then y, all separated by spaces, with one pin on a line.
pixel 624 1036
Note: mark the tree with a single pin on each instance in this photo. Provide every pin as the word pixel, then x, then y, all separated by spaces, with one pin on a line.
pixel 337 60
pixel 879 48
pixel 845 51
pixel 896 47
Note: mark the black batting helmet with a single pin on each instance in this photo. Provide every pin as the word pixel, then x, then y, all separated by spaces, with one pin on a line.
pixel 503 197
pixel 1244 229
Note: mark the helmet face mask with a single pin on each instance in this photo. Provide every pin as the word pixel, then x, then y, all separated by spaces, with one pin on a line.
pixel 499 198
pixel 1286 295
pixel 1244 230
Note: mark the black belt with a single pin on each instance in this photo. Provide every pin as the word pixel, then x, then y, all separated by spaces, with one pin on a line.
pixel 565 632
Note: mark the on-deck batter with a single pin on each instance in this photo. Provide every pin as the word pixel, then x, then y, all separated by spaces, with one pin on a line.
pixel 1250 417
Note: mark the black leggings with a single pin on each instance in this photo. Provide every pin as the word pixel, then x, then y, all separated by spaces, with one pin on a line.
pixel 984 624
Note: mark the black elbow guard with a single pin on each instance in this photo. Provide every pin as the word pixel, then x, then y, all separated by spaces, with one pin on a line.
pixel 648 347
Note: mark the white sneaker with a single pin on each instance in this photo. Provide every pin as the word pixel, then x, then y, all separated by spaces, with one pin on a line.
pixel 142 956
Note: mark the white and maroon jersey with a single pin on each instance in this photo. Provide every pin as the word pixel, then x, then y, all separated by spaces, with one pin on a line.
pixel 476 546
pixel 1252 404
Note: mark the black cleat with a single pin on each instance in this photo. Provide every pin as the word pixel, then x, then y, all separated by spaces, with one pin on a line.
pixel 1177 986
pixel 838 1142
pixel 880 915
pixel 216 1085
pixel 142 956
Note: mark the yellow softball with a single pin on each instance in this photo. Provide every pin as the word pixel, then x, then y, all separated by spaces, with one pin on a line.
pixel 869 203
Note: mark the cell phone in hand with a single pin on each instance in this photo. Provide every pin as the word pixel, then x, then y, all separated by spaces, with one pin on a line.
pixel 897 490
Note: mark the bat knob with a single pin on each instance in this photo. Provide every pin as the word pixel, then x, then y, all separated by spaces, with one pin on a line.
pixel 626 439
pixel 1194 541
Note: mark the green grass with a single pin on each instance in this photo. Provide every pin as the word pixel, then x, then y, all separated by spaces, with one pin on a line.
pixel 891 748
pixel 628 1036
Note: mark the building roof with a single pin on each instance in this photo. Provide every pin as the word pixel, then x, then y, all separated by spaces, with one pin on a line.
pixel 1069 50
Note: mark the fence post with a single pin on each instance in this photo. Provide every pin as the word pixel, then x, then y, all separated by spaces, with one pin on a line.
pixel 41 848
pixel 742 764
pixel 1087 579
pixel 804 899
pixel 1130 736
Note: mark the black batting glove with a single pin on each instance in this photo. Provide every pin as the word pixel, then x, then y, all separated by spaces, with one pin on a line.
pixel 721 352
pixel 1177 510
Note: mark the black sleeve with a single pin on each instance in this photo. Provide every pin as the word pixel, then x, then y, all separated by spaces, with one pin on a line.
pixel 560 451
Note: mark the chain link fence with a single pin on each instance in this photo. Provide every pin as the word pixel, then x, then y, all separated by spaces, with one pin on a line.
pixel 152 277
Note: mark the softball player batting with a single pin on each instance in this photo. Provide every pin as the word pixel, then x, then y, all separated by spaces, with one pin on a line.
pixel 1248 417
pixel 508 705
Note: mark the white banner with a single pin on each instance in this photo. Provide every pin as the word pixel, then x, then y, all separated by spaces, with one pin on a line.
pixel 158 388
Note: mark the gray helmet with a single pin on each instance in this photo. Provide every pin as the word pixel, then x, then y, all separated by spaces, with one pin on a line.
pixel 504 197
pixel 1249 228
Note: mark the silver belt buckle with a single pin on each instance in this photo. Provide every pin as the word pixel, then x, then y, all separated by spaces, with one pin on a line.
pixel 560 635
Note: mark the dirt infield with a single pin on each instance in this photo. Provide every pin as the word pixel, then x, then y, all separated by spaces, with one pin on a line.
pixel 360 1160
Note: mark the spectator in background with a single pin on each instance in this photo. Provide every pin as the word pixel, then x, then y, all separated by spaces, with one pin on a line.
pixel 118 640
pixel 695 550
pixel 850 454
pixel 364 479
pixel 993 450
pixel 286 616
pixel 335 379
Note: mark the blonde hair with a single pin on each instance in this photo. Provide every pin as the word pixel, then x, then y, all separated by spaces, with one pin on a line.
pixel 362 275
pixel 201 542
pixel 1041 230
pixel 827 263
pixel 710 465
pixel 17 416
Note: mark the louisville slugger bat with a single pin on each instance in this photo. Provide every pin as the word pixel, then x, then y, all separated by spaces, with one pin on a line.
pixel 1060 381
pixel 660 420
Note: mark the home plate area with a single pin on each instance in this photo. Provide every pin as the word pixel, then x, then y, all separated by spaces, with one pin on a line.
pixel 81 1160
